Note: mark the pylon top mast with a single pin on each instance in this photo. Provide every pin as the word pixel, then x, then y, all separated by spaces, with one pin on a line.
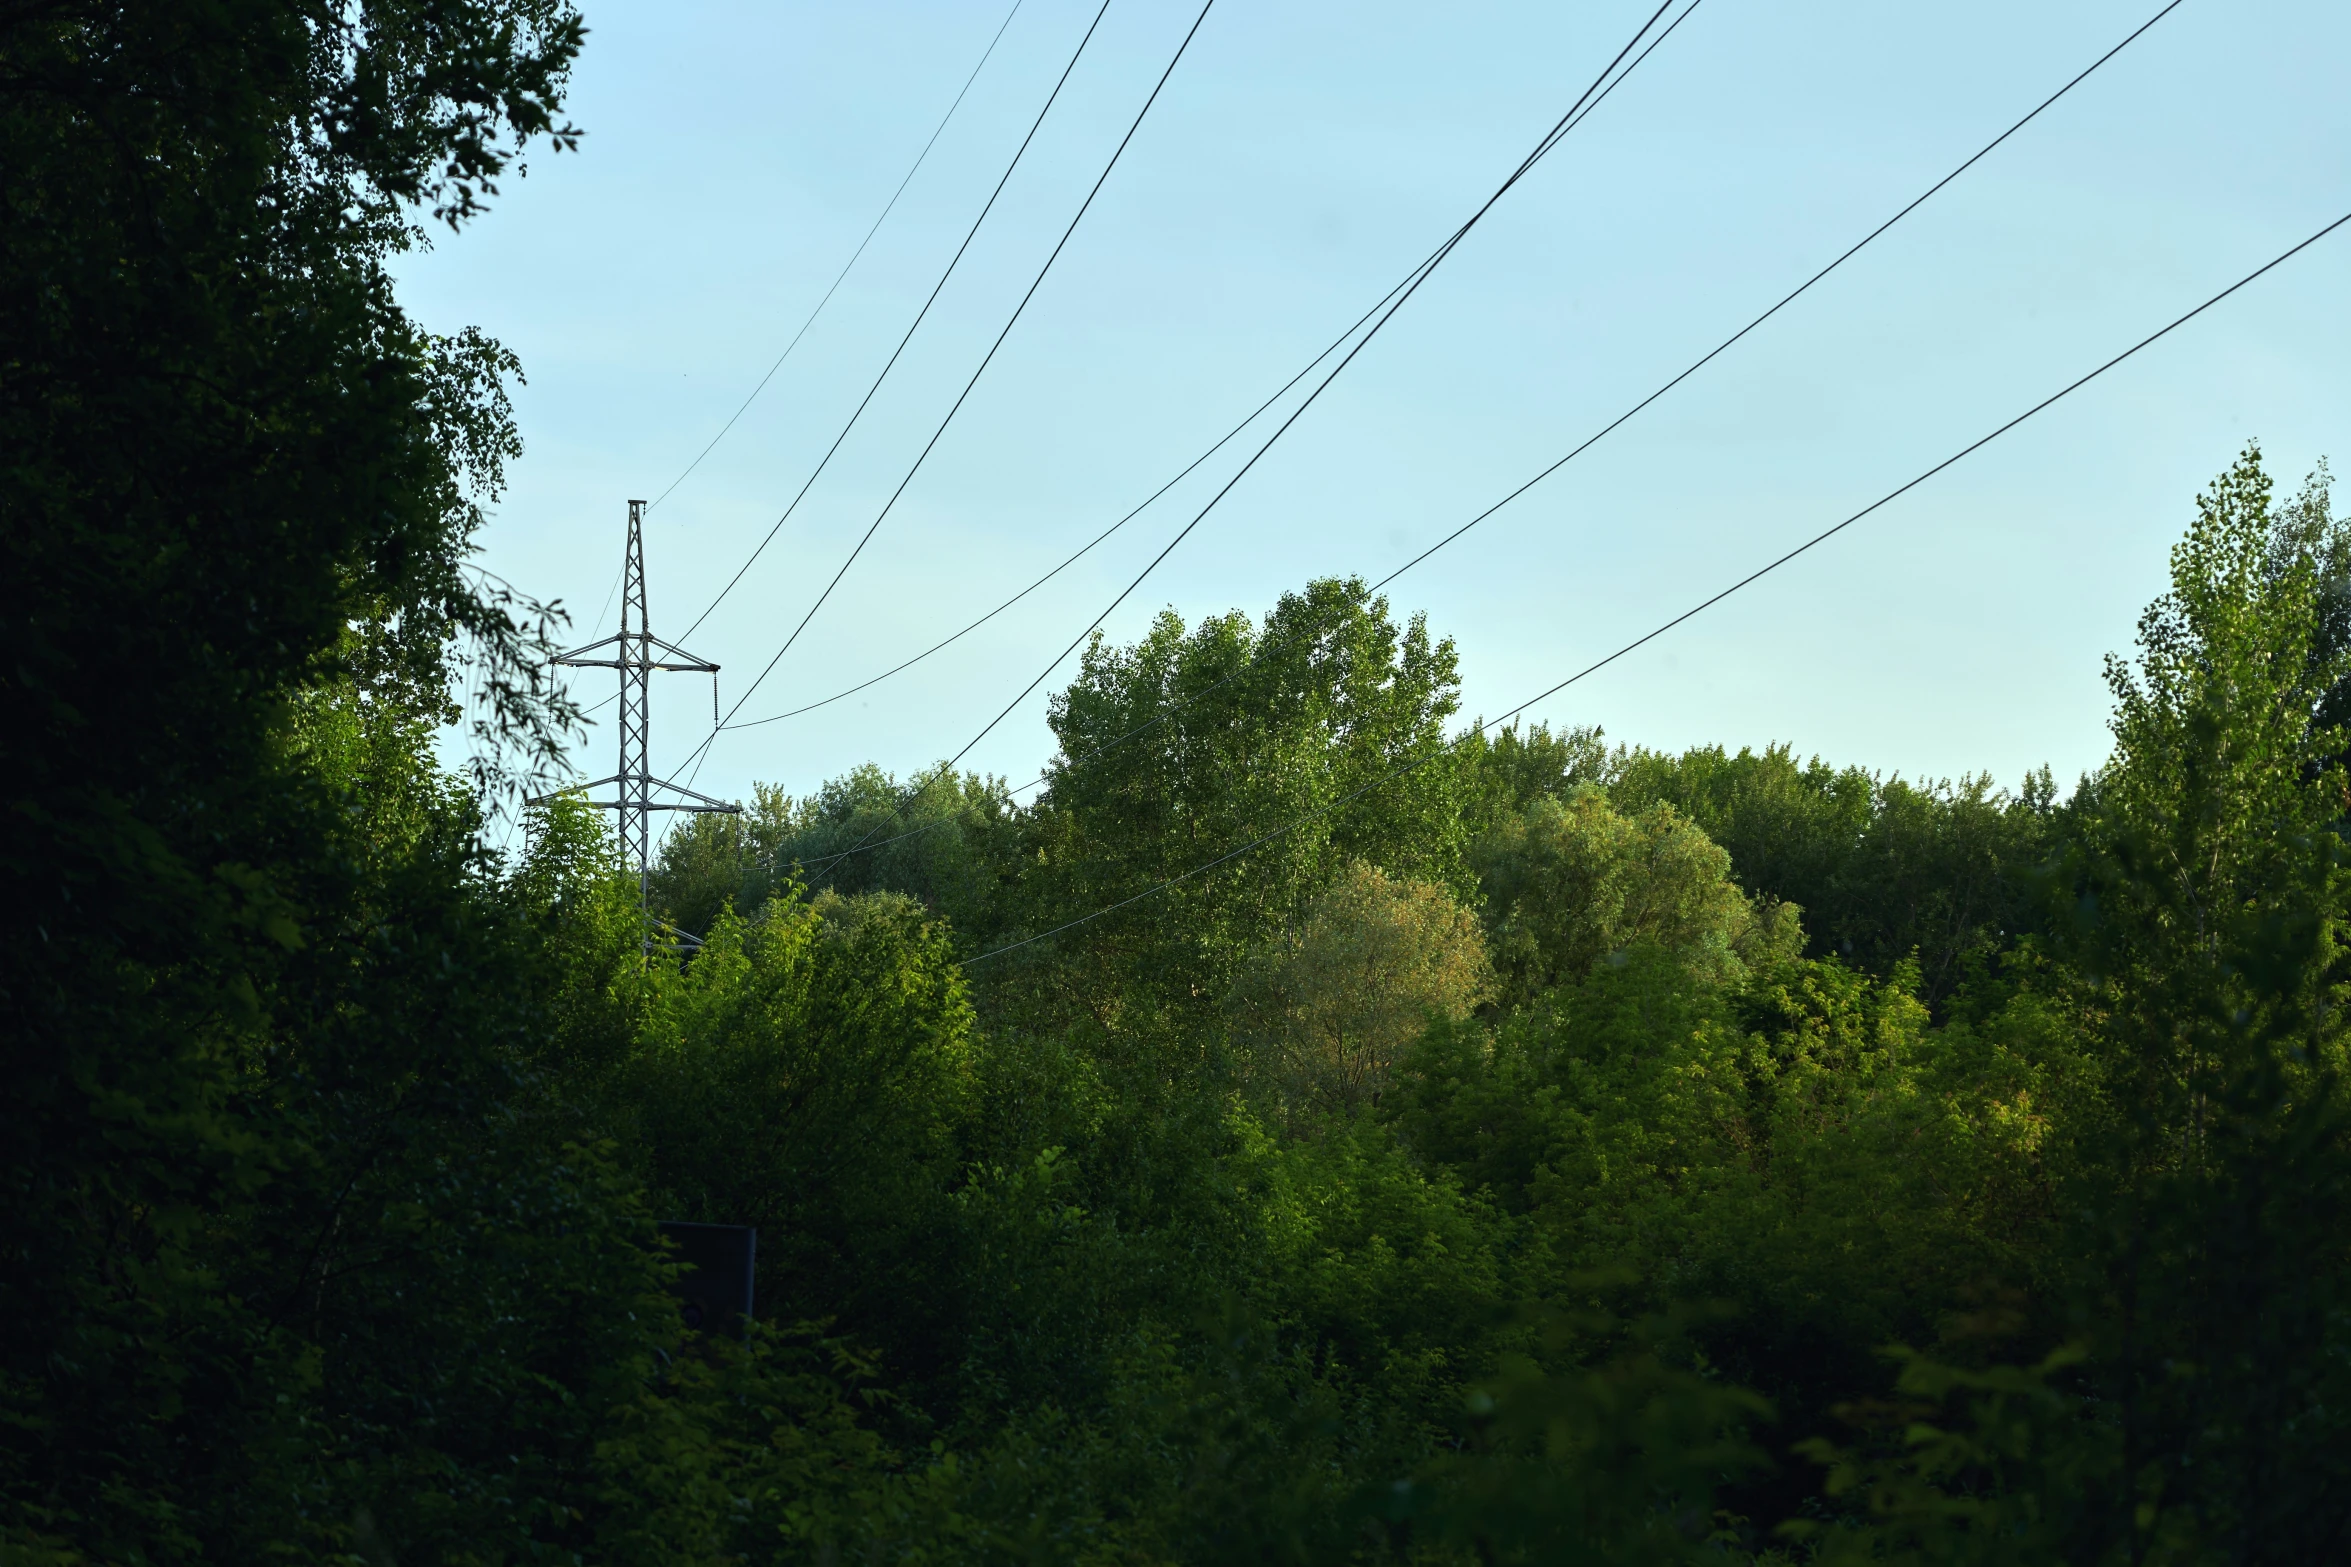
pixel 633 653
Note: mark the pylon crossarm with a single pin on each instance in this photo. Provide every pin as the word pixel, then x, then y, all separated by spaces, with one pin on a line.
pixel 684 938
pixel 695 663
pixel 663 783
pixel 552 796
pixel 570 655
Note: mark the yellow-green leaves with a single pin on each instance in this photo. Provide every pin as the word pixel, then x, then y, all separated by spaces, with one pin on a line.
pixel 1326 1010
pixel 1572 883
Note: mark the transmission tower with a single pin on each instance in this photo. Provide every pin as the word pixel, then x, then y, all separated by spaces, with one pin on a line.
pixel 638 794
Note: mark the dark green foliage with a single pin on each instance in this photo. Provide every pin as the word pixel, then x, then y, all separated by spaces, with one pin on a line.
pixel 1620 1462
pixel 805 1074
pixel 2210 881
pixel 1178 749
pixel 940 838
pixel 297 1259
pixel 1957 1124
pixel 1884 870
pixel 1488 1149
pixel 1512 766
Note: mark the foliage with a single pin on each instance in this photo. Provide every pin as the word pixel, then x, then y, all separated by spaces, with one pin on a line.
pixel 1885 870
pixel 1326 1012
pixel 1293 1135
pixel 1570 883
pixel 1620 1462
pixel 2210 889
pixel 1966 1467
pixel 939 837
pixel 2042 1152
pixel 276 1184
pixel 1177 749
pixel 805 1074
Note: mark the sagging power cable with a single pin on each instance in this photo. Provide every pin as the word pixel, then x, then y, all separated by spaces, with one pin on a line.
pixel 1379 315
pixel 1691 613
pixel 1848 254
pixel 1185 472
pixel 1590 98
pixel 1602 85
pixel 933 297
pixel 916 467
pixel 840 277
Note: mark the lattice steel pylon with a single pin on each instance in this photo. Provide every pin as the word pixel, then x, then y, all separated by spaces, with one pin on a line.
pixel 638 794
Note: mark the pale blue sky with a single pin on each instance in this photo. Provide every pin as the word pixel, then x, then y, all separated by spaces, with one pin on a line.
pixel 1302 158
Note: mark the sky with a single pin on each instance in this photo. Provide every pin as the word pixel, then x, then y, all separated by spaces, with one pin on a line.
pixel 1301 159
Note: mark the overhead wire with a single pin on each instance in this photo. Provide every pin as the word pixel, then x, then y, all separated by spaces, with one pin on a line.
pixel 1590 98
pixel 1786 299
pixel 1185 472
pixel 1385 310
pixel 1846 255
pixel 1782 303
pixel 916 467
pixel 1084 549
pixel 846 266
pixel 888 207
pixel 912 327
pixel 1695 610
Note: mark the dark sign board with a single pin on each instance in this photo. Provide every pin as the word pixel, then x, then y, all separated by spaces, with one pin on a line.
pixel 714 1284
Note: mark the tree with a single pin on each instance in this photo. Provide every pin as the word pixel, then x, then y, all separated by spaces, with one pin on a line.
pixel 1884 869
pixel 291 1244
pixel 805 1073
pixel 1189 745
pixel 2211 889
pixel 2196 1414
pixel 940 837
pixel 1326 1011
pixel 1570 882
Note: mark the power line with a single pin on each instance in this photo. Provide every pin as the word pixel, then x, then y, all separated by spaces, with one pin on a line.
pixel 1589 99
pixel 919 315
pixel 888 207
pixel 1785 300
pixel 1185 472
pixel 1848 254
pixel 1707 358
pixel 1602 85
pixel 989 358
pixel 1695 610
pixel 1083 549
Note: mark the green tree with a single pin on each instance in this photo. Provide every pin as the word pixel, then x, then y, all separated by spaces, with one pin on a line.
pixel 940 837
pixel 1327 1011
pixel 1512 766
pixel 1192 743
pixel 300 1262
pixel 1571 881
pixel 1885 870
pixel 805 1073
pixel 2211 890
pixel 2195 1416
